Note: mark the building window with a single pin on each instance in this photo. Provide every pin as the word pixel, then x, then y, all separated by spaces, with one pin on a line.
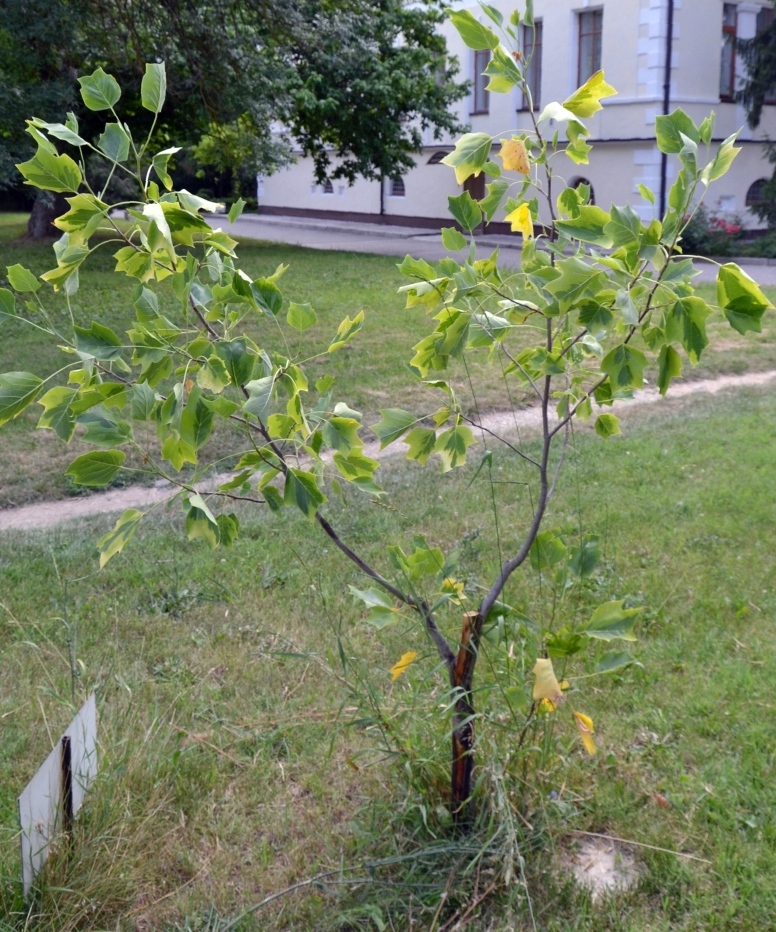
pixel 436 158
pixel 397 188
pixel 756 193
pixel 481 96
pixel 591 25
pixel 727 67
pixel 328 188
pixel 765 21
pixel 532 53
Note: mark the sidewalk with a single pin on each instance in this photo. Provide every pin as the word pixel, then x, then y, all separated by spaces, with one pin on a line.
pixel 383 240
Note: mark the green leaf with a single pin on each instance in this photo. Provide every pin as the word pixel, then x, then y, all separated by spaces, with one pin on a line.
pixel 565 643
pixel 59 131
pixel 422 443
pixel 669 367
pixel 607 425
pixel 625 226
pixel 228 529
pixel 577 278
pixel 17 391
pixel 153 87
pixel 625 367
pixel 51 172
pixel 740 298
pixel 159 163
pixel 7 303
pixel 100 91
pixel 465 210
pixel 238 360
pixel 196 421
pixel 588 225
pixel 302 490
pixel 114 142
pixel 97 468
pixel 474 34
pixel 372 598
pixel 104 430
pixel 721 161
pixel 341 433
pixel 201 523
pixel 143 401
pixel 452 239
pixel 585 557
pixel 586 100
pixel 647 193
pixel 492 200
pixel 611 621
pixel 503 72
pixel 235 211
pixel 451 446
pixel 301 316
pixel 594 316
pixel 57 415
pixel 470 154
pixel 260 400
pixel 116 539
pixel 98 341
pixel 394 422
pixel 21 279
pixel 614 660
pixel 670 129
pixel 547 550
pixel 686 323
pixel 346 331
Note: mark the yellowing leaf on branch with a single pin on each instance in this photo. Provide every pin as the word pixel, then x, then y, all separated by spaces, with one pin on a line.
pixel 521 221
pixel 586 729
pixel 514 155
pixel 401 665
pixel 586 100
pixel 546 686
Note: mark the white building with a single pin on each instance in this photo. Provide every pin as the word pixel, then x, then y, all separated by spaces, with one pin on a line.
pixel 637 43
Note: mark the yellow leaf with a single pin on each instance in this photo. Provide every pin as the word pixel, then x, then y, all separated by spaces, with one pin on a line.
pixel 586 100
pixel 521 221
pixel 586 729
pixel 401 665
pixel 546 685
pixel 454 588
pixel 514 155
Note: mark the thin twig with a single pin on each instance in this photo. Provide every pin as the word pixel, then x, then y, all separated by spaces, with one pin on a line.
pixel 641 844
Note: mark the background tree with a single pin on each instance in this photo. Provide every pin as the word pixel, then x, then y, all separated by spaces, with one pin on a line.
pixel 759 57
pixel 354 82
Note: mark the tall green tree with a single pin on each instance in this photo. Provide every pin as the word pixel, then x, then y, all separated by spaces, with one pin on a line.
pixel 354 83
pixel 759 57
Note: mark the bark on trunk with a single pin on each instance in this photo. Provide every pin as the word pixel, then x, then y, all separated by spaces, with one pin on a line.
pixel 463 721
pixel 45 211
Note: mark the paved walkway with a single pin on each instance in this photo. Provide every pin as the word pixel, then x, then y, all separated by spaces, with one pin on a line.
pixel 398 241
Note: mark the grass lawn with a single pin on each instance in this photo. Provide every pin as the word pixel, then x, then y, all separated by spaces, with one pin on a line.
pixel 370 371
pixel 252 736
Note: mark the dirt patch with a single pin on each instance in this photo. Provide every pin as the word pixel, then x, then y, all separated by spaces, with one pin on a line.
pixel 601 864
pixel 492 426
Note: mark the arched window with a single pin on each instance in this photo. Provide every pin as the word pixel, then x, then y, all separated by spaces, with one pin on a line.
pixel 397 187
pixel 583 183
pixel 436 158
pixel 756 193
pixel 328 187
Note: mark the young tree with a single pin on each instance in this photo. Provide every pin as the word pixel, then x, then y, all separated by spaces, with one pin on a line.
pixel 598 296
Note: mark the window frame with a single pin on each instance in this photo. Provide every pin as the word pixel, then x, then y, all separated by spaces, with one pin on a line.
pixel 534 58
pixel 598 20
pixel 480 96
pixel 729 36
pixel 397 185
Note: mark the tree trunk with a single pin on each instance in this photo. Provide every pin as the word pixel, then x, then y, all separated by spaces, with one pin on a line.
pixel 461 784
pixel 45 210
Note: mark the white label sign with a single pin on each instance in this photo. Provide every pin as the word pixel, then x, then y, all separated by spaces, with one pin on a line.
pixel 56 792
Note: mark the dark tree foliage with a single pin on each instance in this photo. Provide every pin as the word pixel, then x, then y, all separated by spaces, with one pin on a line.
pixel 759 57
pixel 353 82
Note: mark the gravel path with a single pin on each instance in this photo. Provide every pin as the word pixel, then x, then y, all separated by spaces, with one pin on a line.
pixel 48 514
